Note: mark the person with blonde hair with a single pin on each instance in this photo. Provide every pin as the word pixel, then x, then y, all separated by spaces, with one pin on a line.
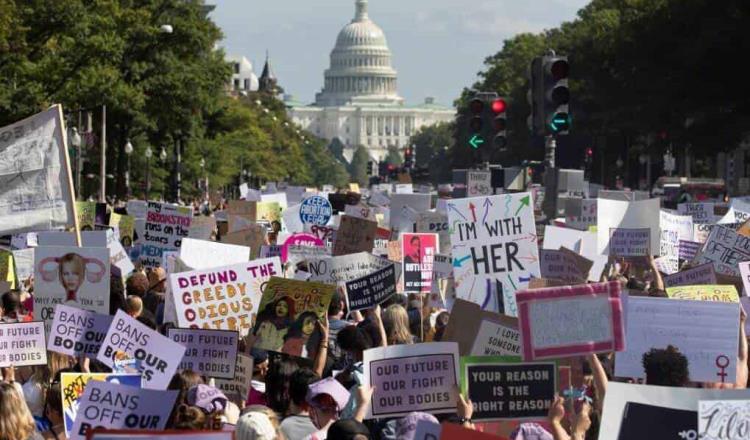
pixel 35 389
pixel 16 421
pixel 396 323
pixel 258 422
pixel 134 306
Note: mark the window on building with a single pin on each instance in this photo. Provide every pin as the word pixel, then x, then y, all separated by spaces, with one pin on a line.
pixel 236 84
pixel 247 83
pixel 236 67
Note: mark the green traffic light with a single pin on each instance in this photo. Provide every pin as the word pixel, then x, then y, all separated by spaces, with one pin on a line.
pixel 560 122
pixel 476 141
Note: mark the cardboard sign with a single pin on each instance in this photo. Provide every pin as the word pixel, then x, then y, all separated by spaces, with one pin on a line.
pixel 354 235
pixel 22 344
pixel 707 333
pixel 614 214
pixel 418 252
pixel 76 332
pixel 222 298
pixel 724 248
pixel 494 249
pixel 157 356
pixel 564 265
pixel 166 226
pixel 253 237
pixel 315 210
pixel 700 212
pixel 629 242
pixel 482 333
pixel 703 274
pixel 202 227
pixel 503 388
pixel 212 353
pixel 704 293
pixel 109 405
pixel 583 243
pixel 289 311
pixel 570 320
pixel 76 276
pixel 370 290
pixel 478 183
pixel 241 214
pixel 416 377
pixel 236 389
pixel 72 386
pixel 723 419
pixel 36 185
pixel 332 270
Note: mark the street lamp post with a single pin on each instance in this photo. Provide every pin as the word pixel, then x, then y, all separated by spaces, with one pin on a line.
pixel 163 158
pixel 75 139
pixel 148 155
pixel 128 152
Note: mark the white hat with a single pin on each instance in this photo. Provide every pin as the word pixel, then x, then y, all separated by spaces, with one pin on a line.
pixel 254 426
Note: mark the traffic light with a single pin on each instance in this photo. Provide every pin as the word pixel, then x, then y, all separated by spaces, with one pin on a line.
pixel 408 158
pixel 499 123
pixel 476 122
pixel 556 94
pixel 370 170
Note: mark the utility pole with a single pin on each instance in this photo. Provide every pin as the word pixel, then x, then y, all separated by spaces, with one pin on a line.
pixel 103 161
pixel 550 178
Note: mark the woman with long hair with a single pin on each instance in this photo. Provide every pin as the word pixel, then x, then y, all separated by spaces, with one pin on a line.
pixel 298 340
pixel 16 421
pixel 35 389
pixel 272 323
pixel 72 272
pixel 396 323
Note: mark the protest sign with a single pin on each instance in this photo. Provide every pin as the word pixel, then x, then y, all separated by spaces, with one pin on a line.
pixel 564 265
pixel 502 388
pixel 707 333
pixel 745 275
pixel 620 395
pixel 270 251
pixel 7 268
pixel 701 231
pixel 703 274
pixel 236 389
pixel 253 237
pixel 126 225
pixel 332 270
pixel 90 214
pixel 494 249
pixel 22 344
pixel 23 261
pixel 580 213
pixel 704 293
pixel 166 226
pixel 241 213
pixel 416 377
pixel 583 243
pixel 629 242
pixel 202 227
pixel 36 186
pixel 372 289
pixel 291 220
pixel 688 250
pixel 297 253
pixel 289 311
pixel 221 298
pixel 118 258
pixel 452 431
pixel 570 320
pixel 76 332
pixel 211 353
pixel 418 252
pixel 436 223
pixel 354 235
pixel 157 355
pixel 72 386
pixel 315 210
pixel 110 405
pixel 482 333
pixel 399 201
pixel 478 183
pixel 268 211
pixel 723 419
pixel 702 212
pixel 201 254
pixel 76 276
pixel 614 214
pixel 299 240
pixel 724 248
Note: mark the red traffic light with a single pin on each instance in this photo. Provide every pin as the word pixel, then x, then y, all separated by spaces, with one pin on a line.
pixel 589 151
pixel 391 167
pixel 499 105
pixel 559 69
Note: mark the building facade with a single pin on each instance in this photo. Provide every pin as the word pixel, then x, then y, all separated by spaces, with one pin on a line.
pixel 243 76
pixel 359 103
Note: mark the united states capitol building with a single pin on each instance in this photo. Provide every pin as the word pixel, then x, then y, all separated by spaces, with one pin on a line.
pixel 359 103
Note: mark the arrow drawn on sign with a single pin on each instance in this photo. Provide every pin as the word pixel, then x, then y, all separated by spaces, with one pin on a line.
pixel 530 259
pixel 457 262
pixel 453 207
pixel 473 208
pixel 524 202
pixel 487 204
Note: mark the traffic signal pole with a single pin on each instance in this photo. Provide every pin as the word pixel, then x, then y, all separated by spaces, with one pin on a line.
pixel 550 178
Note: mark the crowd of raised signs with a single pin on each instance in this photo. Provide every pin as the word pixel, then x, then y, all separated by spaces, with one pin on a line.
pixel 390 312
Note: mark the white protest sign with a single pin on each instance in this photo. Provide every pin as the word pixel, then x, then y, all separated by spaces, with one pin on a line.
pixel 582 242
pixel 23 260
pixel 673 229
pixel 417 202
pixel 724 248
pixel 22 344
pixel 702 212
pixel 494 249
pixel 745 274
pixel 211 353
pixel 723 419
pixel 157 356
pixel 436 222
pixel 707 333
pixel 200 254
pixel 628 242
pixel 201 227
pixel 416 377
pixel 36 186
pixel 703 274
pixel 495 339
pixel 291 219
pixel 237 388
pixel 76 332
pixel 118 258
pixel 166 226
pixel 333 270
pixel 110 405
pixel 221 298
pixel 614 214
pixel 478 183
pixel 580 213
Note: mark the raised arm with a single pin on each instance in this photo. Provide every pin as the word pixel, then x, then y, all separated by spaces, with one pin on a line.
pixel 600 378
pixel 320 358
pixel 742 368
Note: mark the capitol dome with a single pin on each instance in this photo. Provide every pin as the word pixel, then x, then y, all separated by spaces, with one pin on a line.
pixel 360 70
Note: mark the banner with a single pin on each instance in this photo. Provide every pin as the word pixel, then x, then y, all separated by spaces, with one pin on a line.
pixel 75 276
pixel 36 185
pixel 704 293
pixel 222 298
pixel 72 386
pixel 156 355
pixel 415 377
pixel 22 344
pixel 418 251
pixel 725 249
pixel 166 226
pixel 614 214
pixel 494 249
pixel 110 405
pixel 570 320
pixel 288 316
pixel 354 235
pixel 723 419
pixel 370 290
pixel 76 332
pixel 211 353
pixel 237 388
pixel 707 333
pixel 503 388
pixel 703 274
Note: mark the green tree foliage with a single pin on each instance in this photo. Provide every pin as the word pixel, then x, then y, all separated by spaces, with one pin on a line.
pixel 394 156
pixel 432 143
pixel 358 167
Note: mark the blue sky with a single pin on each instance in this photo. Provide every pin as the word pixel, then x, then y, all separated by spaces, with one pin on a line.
pixel 438 46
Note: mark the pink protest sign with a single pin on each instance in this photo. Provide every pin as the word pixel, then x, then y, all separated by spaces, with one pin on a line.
pixel 301 240
pixel 570 320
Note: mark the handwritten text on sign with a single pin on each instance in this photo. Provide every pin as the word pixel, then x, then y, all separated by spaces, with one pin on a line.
pixel 725 249
pixel 22 344
pixel 629 242
pixel 723 419
pixel 166 226
pixel 212 353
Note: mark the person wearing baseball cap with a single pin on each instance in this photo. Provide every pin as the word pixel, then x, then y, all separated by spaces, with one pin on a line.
pixel 326 398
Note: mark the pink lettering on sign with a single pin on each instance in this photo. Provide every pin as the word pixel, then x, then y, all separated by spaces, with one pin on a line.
pixel 299 240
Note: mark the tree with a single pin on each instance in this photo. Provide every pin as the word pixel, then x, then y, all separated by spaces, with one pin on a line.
pixel 394 156
pixel 432 143
pixel 358 167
